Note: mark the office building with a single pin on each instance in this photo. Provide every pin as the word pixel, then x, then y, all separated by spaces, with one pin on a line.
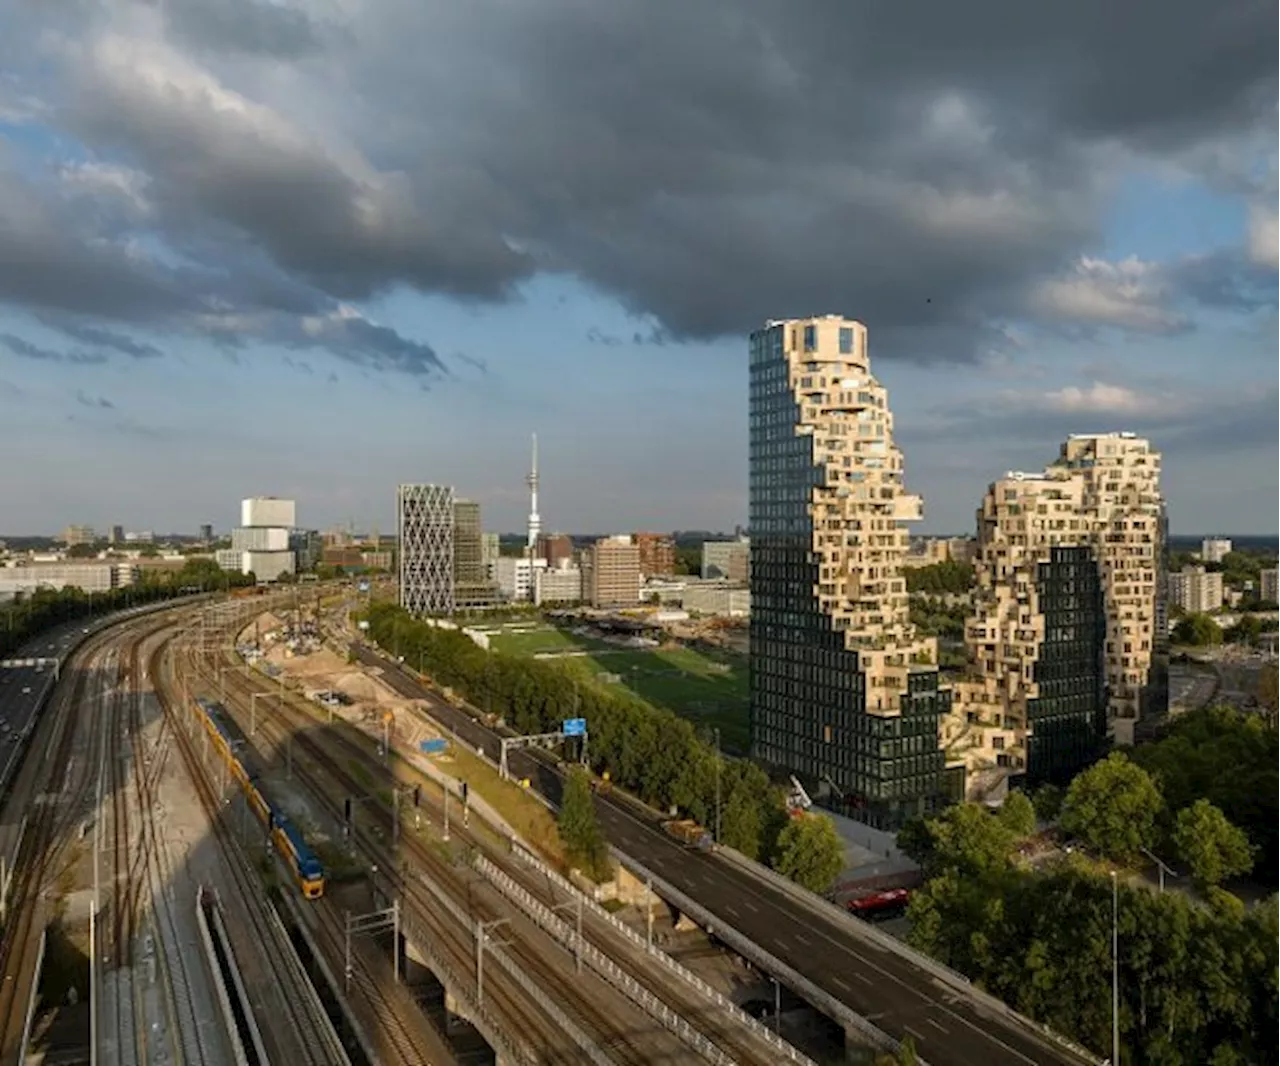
pixel 1068 638
pixel 555 548
pixel 516 575
pixel 844 691
pixel 1214 549
pixel 657 554
pixel 611 573
pixel 117 535
pixel 1268 589
pixel 726 560
pixel 472 587
pixel 557 585
pixel 1196 590
pixel 424 526
pixel 74 536
pixel 206 532
pixel 91 577
pixel 717 598
pixel 264 543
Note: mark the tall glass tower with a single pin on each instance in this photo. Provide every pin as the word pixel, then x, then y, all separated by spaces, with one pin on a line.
pixel 844 691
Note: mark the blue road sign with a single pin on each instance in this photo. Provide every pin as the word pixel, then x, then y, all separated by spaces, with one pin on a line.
pixel 574 727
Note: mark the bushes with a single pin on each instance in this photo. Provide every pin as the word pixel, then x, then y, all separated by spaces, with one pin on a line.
pixel 647 750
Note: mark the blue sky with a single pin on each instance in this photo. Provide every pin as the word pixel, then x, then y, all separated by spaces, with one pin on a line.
pixel 310 250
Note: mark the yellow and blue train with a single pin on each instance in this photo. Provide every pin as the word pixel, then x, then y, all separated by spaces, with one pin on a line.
pixel 227 741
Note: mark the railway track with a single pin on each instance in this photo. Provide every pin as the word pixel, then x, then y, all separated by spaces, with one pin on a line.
pixel 620 1031
pixel 283 1001
pixel 56 790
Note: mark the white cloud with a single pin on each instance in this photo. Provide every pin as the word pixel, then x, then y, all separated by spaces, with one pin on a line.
pixel 1264 237
pixel 1130 294
pixel 1100 398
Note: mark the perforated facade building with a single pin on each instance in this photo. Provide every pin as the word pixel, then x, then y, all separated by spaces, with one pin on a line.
pixel 1068 638
pixel 844 691
pixel 425 524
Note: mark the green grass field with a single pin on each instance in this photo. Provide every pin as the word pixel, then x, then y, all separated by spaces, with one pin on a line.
pixel 707 690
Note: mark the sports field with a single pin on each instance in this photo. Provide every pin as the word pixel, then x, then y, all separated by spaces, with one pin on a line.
pixel 708 689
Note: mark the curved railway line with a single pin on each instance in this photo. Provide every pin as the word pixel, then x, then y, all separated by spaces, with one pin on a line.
pixel 624 1035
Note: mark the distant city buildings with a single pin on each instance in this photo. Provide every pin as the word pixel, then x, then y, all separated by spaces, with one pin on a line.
pixel 717 598
pixel 28 577
pixel 1268 586
pixel 611 573
pixel 74 536
pixel 844 691
pixel 206 533
pixel 555 548
pixel 1069 634
pixel 727 560
pixel 1196 590
pixel 471 585
pixel 928 551
pixel 557 585
pixel 657 554
pixel 117 535
pixel 1214 549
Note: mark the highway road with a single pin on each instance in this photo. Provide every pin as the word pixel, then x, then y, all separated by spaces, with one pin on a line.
pixel 898 995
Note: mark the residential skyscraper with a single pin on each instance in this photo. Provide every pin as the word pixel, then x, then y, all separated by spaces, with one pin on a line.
pixel 1214 549
pixel 425 525
pixel 844 691
pixel 1067 641
pixel 1196 590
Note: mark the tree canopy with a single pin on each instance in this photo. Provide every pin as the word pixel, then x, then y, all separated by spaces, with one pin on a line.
pixel 579 828
pixel 810 852
pixel 1113 807
pixel 1198 631
pixel 938 579
pixel 1213 847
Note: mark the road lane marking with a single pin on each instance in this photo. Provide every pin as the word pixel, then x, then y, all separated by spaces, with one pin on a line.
pixel 941 1028
pixel 908 1029
pixel 842 984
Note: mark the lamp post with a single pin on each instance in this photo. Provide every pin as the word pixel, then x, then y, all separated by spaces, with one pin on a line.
pixel 1115 970
pixel 719 763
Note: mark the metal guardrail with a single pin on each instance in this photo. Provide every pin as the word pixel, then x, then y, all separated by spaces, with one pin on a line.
pixel 748 948
pixel 34 999
pixel 674 967
pixel 603 965
pixel 884 941
pixel 553 1011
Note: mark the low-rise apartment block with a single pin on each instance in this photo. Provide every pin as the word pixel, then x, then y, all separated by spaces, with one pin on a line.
pixel 931 550
pixel 87 576
pixel 1196 590
pixel 1269 585
pixel 719 598
pixel 1068 638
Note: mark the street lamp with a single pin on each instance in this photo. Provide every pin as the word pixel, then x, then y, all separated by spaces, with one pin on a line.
pixel 1115 970
pixel 719 763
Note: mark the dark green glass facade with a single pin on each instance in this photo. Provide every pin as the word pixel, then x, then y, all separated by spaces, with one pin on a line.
pixel 808 697
pixel 1068 721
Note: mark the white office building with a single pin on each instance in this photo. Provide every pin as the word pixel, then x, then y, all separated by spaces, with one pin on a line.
pixel 260 545
pixel 1214 549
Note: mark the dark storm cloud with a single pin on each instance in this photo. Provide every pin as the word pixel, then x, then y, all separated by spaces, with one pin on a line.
pixel 917 164
pixel 243 25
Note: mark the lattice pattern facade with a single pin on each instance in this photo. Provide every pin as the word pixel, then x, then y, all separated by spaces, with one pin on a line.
pixel 425 522
pixel 844 691
pixel 1068 639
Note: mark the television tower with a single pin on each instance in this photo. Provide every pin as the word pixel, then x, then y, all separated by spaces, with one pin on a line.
pixel 535 522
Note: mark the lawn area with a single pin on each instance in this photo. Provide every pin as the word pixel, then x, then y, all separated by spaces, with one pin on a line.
pixel 709 690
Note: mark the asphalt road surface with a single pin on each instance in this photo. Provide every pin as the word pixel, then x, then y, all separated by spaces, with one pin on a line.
pixel 891 991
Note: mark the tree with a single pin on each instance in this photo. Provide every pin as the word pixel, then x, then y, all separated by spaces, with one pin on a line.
pixel 1018 815
pixel 1048 802
pixel 1213 847
pixel 1113 807
pixel 810 852
pixel 1197 630
pixel 580 832
pixel 1269 687
pixel 965 837
pixel 906 1055
pixel 82 551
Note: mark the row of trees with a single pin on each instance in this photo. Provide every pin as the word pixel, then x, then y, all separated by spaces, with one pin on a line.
pixel 647 750
pixel 1201 631
pixel 938 579
pixel 29 615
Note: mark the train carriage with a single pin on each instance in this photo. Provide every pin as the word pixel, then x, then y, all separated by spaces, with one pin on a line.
pixel 307 870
